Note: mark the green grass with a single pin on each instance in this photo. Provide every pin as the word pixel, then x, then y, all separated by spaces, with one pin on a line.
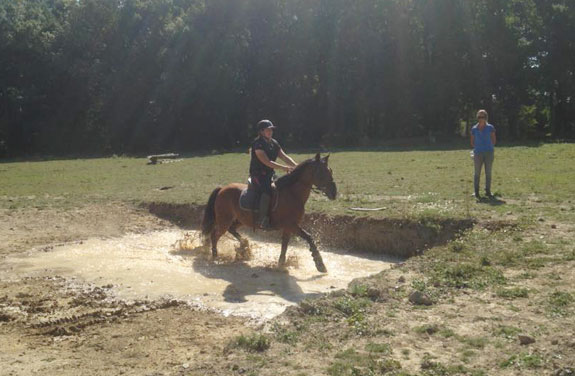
pixel 380 348
pixel 427 329
pixel 351 306
pixel 430 367
pixel 406 183
pixel 523 360
pixel 284 335
pixel 254 343
pixel 466 275
pixel 560 303
pixel 507 332
pixel 513 293
pixel 354 363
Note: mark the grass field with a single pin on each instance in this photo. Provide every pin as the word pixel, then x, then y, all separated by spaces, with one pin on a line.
pixel 502 293
pixel 406 183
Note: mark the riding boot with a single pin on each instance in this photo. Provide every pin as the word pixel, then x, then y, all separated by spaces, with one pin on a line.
pixel 263 213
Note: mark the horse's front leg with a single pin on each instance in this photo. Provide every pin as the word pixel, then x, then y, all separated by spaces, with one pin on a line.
pixel 314 251
pixel 285 241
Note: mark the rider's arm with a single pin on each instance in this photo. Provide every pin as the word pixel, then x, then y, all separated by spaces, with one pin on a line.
pixel 493 138
pixel 265 160
pixel 472 140
pixel 286 158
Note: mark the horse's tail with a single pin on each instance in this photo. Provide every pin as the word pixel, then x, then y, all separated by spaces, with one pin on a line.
pixel 209 219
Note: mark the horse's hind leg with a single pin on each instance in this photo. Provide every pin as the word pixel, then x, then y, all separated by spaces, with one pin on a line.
pixel 285 241
pixel 234 231
pixel 215 236
pixel 244 243
pixel 223 223
pixel 314 251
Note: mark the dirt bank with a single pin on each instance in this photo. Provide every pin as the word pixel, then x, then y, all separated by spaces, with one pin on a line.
pixel 393 237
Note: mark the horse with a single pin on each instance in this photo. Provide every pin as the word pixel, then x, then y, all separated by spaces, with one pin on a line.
pixel 223 213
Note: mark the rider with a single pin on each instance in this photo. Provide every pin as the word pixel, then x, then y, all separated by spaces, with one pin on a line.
pixel 264 152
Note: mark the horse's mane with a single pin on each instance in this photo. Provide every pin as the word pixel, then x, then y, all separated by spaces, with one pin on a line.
pixel 294 176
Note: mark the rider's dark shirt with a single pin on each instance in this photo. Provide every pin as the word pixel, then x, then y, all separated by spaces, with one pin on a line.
pixel 272 149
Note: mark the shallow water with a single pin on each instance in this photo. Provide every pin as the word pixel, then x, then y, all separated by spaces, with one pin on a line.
pixel 155 265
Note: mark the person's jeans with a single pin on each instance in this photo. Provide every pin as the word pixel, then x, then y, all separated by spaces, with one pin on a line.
pixel 263 183
pixel 483 158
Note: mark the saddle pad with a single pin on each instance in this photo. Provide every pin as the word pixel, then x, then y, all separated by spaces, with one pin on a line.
pixel 249 200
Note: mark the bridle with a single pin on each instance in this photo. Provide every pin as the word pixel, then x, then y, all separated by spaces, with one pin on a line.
pixel 320 188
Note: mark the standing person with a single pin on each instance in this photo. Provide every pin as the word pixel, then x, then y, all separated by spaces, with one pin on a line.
pixel 483 141
pixel 264 152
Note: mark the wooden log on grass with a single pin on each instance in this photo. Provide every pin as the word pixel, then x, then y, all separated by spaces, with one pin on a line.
pixel 153 159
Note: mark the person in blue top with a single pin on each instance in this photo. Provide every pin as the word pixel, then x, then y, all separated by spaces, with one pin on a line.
pixel 483 141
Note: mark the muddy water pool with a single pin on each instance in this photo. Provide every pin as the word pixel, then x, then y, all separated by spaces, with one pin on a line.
pixel 161 265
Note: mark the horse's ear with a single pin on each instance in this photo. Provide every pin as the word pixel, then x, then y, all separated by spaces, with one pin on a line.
pixel 326 158
pixel 317 157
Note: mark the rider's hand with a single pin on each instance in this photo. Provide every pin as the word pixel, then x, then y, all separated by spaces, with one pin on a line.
pixel 288 169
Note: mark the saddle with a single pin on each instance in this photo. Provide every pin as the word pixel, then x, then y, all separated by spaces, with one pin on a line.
pixel 249 198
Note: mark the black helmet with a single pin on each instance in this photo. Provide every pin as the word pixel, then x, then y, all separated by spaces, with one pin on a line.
pixel 264 124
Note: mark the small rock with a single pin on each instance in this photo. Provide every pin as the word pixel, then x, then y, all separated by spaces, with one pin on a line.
pixel 564 372
pixel 554 342
pixel 419 298
pixel 5 317
pixel 186 365
pixel 553 226
pixel 255 275
pixel 401 279
pixel 526 340
pixel 541 219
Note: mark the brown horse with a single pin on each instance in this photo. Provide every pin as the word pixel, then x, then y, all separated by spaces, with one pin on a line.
pixel 223 212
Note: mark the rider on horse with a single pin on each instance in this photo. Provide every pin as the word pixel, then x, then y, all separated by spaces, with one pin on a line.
pixel 264 152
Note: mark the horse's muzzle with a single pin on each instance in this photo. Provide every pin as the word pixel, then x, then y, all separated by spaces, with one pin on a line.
pixel 331 191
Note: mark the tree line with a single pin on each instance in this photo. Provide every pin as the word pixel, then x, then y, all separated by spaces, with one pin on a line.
pixel 141 76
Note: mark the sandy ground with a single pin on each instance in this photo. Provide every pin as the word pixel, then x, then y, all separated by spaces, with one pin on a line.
pixel 53 323
pixel 49 326
pixel 114 290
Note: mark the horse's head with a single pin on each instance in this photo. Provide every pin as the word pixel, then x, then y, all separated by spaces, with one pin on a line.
pixel 323 177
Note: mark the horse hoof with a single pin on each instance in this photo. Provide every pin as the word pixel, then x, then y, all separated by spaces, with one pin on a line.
pixel 321 267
